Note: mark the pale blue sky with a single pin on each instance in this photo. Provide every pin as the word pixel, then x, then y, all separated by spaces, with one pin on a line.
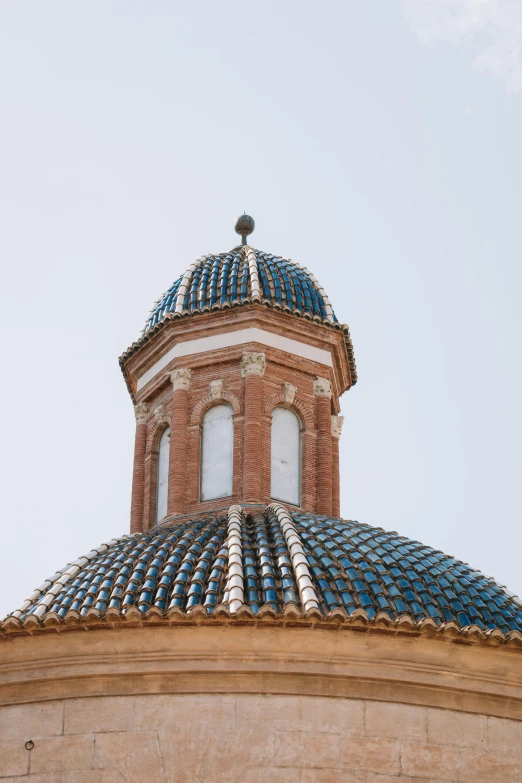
pixel 376 143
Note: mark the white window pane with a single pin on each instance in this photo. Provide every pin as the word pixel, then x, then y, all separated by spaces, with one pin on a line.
pixel 217 453
pixel 285 457
pixel 163 476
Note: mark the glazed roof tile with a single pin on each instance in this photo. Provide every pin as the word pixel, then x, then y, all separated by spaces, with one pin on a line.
pixel 274 561
pixel 243 274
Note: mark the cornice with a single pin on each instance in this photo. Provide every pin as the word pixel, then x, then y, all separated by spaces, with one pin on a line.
pixel 264 304
pixel 337 619
pixel 234 652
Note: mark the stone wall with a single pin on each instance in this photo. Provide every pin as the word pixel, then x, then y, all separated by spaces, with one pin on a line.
pixel 226 703
pixel 245 738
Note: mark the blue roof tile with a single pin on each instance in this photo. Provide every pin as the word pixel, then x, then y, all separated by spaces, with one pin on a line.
pixel 184 564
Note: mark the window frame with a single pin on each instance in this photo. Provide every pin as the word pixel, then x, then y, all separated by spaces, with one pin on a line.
pixel 299 456
pixel 223 404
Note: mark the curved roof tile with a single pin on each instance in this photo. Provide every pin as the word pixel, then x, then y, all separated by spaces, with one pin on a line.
pixel 277 560
pixel 225 279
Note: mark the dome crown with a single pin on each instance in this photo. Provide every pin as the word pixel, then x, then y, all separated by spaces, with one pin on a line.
pixel 240 276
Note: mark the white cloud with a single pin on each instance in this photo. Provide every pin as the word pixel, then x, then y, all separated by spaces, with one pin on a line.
pixel 491 28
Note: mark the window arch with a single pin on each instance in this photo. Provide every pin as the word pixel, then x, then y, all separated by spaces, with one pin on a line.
pixel 162 487
pixel 217 452
pixel 285 468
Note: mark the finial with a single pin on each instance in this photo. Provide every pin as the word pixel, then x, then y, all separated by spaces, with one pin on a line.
pixel 244 226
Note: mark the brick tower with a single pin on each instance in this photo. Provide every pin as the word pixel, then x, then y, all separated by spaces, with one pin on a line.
pixel 257 334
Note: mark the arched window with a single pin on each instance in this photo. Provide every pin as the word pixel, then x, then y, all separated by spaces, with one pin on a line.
pixel 162 492
pixel 217 453
pixel 285 475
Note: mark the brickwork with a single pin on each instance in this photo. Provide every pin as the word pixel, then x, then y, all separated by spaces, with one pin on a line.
pixel 253 369
pixel 253 379
pixel 158 421
pixel 323 470
pixel 138 474
pixel 337 425
pixel 336 483
pixel 178 441
pixel 233 738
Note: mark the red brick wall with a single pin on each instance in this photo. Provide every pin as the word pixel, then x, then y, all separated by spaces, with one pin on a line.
pixel 252 399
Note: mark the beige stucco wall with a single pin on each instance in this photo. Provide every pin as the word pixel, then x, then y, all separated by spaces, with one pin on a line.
pixel 243 705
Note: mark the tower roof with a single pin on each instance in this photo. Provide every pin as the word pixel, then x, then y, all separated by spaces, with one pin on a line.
pixel 240 276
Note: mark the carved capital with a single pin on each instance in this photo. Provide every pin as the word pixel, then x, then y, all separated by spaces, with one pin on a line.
pixel 253 364
pixel 322 387
pixel 181 378
pixel 216 389
pixel 141 411
pixel 161 416
pixel 289 393
pixel 337 426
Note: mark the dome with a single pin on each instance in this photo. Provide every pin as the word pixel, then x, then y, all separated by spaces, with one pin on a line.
pixel 241 276
pixel 350 571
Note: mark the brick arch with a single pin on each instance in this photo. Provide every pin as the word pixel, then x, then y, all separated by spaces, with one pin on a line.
pixel 156 431
pixel 208 402
pixel 304 413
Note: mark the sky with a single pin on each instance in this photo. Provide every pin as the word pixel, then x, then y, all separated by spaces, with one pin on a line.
pixel 376 143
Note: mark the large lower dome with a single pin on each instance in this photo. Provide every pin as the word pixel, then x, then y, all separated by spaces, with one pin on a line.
pixel 270 564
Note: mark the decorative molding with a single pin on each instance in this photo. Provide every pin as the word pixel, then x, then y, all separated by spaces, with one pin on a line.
pixel 141 411
pixel 253 364
pixel 337 426
pixel 231 339
pixel 289 391
pixel 322 387
pixel 216 389
pixel 324 655
pixel 181 378
pixel 234 589
pixel 161 415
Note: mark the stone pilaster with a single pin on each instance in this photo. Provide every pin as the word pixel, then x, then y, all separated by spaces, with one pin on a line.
pixel 178 440
pixel 141 411
pixel 252 370
pixel 323 454
pixel 337 426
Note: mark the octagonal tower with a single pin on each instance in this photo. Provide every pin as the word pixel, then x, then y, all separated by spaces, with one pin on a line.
pixel 253 333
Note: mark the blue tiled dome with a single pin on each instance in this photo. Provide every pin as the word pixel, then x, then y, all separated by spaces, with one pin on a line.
pixel 239 278
pixel 355 570
pixel 242 275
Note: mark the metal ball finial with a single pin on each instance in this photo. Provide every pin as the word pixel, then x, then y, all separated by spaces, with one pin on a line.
pixel 244 226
